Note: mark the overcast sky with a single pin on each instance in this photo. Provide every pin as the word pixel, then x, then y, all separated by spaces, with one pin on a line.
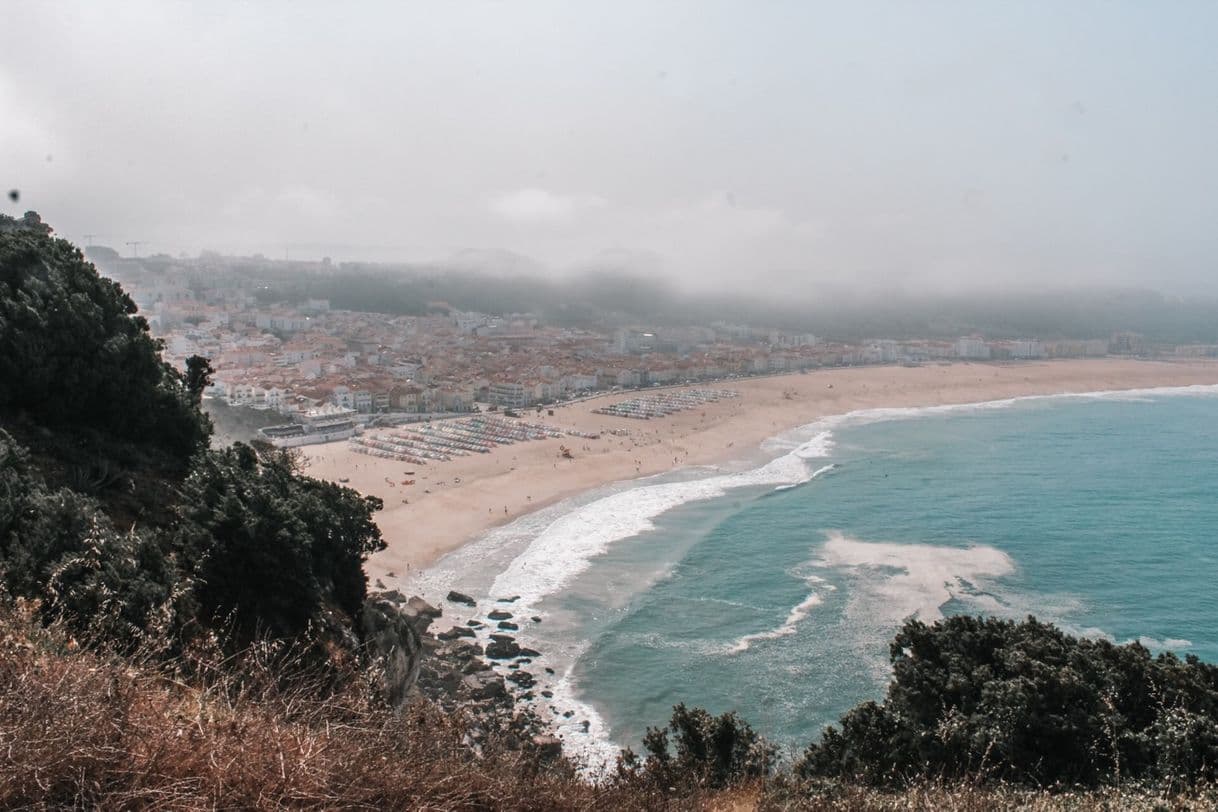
pixel 787 143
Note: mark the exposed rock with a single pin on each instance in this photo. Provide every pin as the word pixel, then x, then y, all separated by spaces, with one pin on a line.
pixel 502 648
pixel 548 746
pixel 392 595
pixel 455 632
pixel 568 714
pixel 460 650
pixel 483 685
pixel 508 625
pixel 456 674
pixel 424 608
pixel 529 652
pixel 499 614
pixel 536 618
pixel 550 671
pixel 522 678
pixel 460 597
pixel 474 624
pixel 394 645
pixel 548 694
pixel 512 599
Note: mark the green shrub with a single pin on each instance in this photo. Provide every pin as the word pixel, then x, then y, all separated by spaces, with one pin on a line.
pixel 73 352
pixel 1026 703
pixel 704 751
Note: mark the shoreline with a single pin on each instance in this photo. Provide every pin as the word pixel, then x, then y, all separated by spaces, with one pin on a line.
pixel 453 503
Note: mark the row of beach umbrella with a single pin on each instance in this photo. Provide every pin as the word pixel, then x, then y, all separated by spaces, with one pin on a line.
pixel 443 440
pixel 663 404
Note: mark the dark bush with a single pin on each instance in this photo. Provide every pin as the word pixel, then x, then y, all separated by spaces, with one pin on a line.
pixel 1026 703
pixel 267 548
pixel 705 751
pixel 73 352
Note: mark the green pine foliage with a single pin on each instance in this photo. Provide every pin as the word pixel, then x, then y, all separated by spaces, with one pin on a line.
pixel 247 518
pixel 698 750
pixel 73 352
pixel 121 523
pixel 1026 703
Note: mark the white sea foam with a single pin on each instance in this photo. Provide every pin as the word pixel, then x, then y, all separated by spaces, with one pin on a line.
pixel 564 548
pixel 900 581
pixel 1155 644
pixel 591 747
pixel 798 612
pixel 861 417
pixel 1152 643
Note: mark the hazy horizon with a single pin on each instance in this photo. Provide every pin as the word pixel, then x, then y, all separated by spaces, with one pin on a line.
pixel 783 146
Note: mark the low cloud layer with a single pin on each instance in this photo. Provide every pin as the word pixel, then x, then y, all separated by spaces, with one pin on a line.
pixel 786 146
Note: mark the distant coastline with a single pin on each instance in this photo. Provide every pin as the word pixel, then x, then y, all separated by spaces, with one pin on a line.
pixel 452 503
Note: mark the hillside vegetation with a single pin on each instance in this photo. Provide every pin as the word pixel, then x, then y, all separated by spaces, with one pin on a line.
pixel 189 627
pixel 115 516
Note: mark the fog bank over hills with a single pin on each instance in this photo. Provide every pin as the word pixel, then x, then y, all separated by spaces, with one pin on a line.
pixel 621 298
pixel 610 298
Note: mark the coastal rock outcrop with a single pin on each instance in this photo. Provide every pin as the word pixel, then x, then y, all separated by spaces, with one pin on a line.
pixel 548 746
pixel 483 685
pixel 458 674
pixel 423 608
pixel 460 597
pixel 499 614
pixel 502 647
pixel 522 678
pixel 392 640
pixel 455 632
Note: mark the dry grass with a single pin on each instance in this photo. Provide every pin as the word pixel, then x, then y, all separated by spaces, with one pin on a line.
pixel 83 730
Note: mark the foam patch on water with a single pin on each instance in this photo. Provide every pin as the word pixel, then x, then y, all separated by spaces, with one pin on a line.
pixel 900 581
pixel 1169 644
pixel 1152 643
pixel 798 612
pixel 894 582
pixel 565 547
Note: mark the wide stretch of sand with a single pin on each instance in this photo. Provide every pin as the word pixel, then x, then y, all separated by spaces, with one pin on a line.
pixel 438 514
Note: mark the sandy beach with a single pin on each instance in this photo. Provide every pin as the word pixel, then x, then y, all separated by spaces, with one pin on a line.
pixel 453 502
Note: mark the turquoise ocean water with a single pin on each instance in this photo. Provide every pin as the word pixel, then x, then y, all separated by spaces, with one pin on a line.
pixel 774 590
